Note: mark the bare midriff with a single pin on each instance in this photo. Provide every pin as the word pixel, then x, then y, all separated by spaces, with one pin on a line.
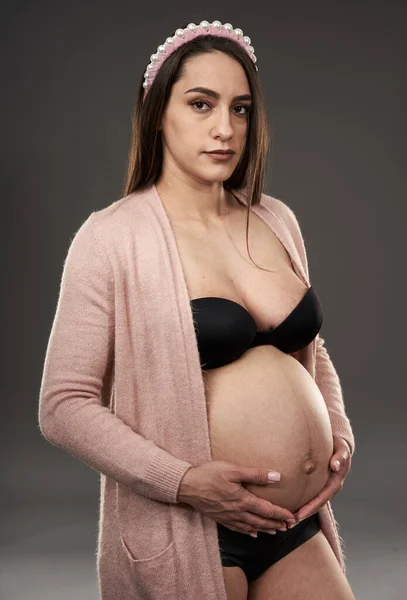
pixel 265 410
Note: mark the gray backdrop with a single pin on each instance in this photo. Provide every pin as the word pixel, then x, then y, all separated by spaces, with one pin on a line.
pixel 334 80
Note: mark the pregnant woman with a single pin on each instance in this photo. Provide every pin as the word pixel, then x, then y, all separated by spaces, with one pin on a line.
pixel 261 401
pixel 194 198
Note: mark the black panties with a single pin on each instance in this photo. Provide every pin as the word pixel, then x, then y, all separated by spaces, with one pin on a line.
pixel 255 555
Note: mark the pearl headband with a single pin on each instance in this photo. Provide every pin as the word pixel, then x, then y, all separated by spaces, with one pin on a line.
pixel 182 36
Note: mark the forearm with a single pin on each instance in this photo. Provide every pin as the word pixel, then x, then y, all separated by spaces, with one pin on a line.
pixel 95 436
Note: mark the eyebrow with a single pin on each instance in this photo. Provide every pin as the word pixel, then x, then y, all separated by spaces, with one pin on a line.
pixel 208 92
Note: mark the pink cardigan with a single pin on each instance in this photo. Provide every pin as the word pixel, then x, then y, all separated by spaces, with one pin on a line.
pixel 122 391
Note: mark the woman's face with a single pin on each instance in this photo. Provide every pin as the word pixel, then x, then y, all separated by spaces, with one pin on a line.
pixel 197 122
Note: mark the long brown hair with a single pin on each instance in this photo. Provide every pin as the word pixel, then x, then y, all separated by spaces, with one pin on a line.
pixel 146 153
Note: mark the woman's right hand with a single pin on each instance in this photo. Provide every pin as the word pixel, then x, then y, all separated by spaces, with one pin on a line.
pixel 215 490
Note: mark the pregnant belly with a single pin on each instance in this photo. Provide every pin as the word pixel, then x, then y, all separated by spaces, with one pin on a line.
pixel 265 410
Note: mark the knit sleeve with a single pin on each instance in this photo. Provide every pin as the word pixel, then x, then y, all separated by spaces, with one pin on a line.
pixel 328 381
pixel 78 362
pixel 326 376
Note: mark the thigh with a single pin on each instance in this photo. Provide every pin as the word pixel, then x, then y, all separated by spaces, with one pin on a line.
pixel 310 572
pixel 235 583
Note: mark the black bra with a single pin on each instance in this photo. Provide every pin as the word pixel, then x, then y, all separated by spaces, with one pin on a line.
pixel 225 329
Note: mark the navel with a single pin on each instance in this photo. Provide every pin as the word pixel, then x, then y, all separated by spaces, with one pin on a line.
pixel 309 465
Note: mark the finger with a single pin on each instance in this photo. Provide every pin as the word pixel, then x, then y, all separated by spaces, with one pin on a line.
pixel 266 509
pixel 239 527
pixel 248 527
pixel 316 503
pixel 342 442
pixel 279 513
pixel 339 460
pixel 259 524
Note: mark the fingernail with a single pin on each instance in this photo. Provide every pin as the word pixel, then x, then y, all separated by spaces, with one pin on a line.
pixel 337 464
pixel 290 521
pixel 274 476
pixel 253 535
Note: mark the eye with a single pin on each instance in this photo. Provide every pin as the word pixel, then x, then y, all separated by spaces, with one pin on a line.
pixel 245 106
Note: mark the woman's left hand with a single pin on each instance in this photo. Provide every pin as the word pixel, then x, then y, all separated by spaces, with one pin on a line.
pixel 340 464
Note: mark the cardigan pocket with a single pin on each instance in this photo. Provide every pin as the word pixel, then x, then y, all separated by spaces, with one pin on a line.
pixel 153 578
pixel 145 526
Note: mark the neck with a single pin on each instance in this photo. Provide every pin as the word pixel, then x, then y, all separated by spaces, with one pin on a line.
pixel 192 202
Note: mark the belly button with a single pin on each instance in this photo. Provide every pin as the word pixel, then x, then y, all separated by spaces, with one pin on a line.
pixel 309 466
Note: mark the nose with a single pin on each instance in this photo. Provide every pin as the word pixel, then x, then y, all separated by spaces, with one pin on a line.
pixel 223 124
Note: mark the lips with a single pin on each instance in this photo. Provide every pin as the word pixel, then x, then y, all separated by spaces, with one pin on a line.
pixel 224 156
pixel 221 152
